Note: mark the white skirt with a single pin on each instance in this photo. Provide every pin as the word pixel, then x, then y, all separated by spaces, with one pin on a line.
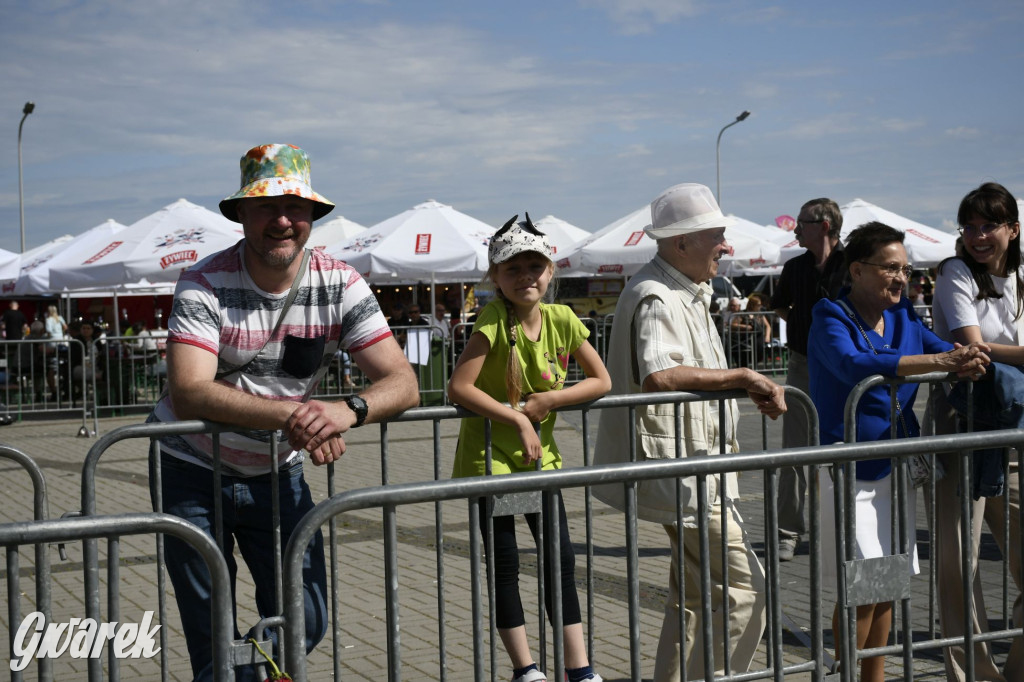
pixel 873 524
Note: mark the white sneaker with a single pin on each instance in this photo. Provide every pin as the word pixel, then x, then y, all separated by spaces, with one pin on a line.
pixel 533 675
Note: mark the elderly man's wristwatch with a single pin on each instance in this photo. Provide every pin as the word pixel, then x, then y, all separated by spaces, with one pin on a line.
pixel 358 407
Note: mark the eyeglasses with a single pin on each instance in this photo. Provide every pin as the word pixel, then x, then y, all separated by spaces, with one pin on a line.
pixel 975 230
pixel 801 223
pixel 892 269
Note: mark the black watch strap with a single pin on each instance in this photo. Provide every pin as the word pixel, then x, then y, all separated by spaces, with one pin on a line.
pixel 359 407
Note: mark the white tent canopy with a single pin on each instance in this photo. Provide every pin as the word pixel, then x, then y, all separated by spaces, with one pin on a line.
pixel 760 244
pixel 926 246
pixel 35 276
pixel 10 264
pixel 561 235
pixel 622 247
pixel 334 231
pixel 154 249
pixel 31 259
pixel 431 241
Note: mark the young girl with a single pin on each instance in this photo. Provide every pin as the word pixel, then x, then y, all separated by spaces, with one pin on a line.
pixel 519 349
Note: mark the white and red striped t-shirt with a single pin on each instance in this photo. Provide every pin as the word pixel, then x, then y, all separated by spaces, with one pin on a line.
pixel 219 308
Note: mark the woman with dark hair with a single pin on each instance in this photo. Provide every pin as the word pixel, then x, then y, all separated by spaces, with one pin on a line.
pixel 871 328
pixel 979 297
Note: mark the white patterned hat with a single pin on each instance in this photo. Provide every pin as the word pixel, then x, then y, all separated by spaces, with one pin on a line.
pixel 515 238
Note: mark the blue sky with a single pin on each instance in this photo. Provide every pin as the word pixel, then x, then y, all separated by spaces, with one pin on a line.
pixel 585 109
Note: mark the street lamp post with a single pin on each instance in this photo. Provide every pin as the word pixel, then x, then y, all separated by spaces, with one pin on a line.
pixel 29 108
pixel 718 156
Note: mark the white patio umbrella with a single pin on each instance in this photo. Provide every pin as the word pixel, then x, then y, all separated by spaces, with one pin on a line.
pixel 154 249
pixel 336 230
pixel 30 260
pixel 754 246
pixel 617 249
pixel 926 246
pixel 622 248
pixel 431 241
pixel 10 263
pixel 35 276
pixel 561 235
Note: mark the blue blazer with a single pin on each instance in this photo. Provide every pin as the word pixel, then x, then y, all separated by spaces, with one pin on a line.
pixel 839 358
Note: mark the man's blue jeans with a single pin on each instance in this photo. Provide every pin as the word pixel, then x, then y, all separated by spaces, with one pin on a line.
pixel 188 493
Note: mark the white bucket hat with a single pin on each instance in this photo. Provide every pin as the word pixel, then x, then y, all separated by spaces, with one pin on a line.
pixel 685 208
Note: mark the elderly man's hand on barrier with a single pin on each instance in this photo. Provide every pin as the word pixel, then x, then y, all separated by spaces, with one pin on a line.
pixel 768 396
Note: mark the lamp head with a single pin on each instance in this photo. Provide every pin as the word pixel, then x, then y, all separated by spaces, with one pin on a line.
pixel 29 108
pixel 743 116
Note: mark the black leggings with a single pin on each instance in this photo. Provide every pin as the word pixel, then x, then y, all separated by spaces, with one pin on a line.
pixel 508 605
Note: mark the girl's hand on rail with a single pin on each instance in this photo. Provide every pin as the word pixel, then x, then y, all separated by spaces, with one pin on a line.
pixel 537 406
pixel 532 450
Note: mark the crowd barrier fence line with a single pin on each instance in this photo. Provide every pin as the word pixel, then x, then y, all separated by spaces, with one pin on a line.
pixel 113 527
pixel 40 512
pixel 40 379
pixel 389 497
pixel 887 578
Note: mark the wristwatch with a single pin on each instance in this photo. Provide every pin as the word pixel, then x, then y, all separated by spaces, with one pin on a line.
pixel 358 407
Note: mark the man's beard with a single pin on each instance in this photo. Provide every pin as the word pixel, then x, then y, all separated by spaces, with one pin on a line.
pixel 276 259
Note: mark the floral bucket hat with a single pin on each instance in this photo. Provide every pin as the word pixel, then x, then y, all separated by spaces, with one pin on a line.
pixel 515 238
pixel 273 170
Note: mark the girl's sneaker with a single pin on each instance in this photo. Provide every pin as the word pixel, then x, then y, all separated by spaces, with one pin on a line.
pixel 532 675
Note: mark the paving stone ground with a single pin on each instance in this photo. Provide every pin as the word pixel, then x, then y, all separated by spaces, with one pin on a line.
pixel 122 486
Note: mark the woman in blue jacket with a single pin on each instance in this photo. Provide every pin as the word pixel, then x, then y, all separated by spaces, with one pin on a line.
pixel 871 328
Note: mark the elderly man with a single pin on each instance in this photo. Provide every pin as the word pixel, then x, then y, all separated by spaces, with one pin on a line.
pixel 664 340
pixel 815 274
pixel 252 331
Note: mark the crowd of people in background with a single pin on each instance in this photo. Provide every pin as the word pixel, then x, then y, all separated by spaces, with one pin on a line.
pixel 61 355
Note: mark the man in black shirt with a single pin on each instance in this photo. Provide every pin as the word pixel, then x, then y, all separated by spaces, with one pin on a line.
pixel 805 280
pixel 14 323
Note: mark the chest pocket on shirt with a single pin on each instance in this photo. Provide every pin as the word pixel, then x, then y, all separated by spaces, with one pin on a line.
pixel 302 356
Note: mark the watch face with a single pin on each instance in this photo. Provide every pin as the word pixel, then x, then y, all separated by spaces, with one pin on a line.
pixel 358 405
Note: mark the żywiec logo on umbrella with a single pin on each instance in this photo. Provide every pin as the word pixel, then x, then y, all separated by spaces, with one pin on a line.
pixel 360 244
pixel 183 236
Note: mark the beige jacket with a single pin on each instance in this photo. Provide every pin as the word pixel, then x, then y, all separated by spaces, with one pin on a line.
pixel 686 337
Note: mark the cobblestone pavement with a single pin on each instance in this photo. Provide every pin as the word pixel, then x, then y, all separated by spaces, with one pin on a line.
pixel 361 628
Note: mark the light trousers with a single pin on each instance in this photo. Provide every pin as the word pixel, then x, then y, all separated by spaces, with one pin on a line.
pixel 948 549
pixel 746 605
pixel 793 480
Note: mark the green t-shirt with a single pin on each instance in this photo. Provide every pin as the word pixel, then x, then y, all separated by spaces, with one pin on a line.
pixel 544 364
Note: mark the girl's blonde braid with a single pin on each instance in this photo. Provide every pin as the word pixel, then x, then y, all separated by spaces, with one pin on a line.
pixel 513 370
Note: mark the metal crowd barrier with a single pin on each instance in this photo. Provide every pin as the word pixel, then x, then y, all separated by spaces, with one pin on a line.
pixel 113 528
pixel 887 578
pixel 389 497
pixel 392 496
pixel 748 344
pixel 40 512
pixel 40 379
pixel 441 462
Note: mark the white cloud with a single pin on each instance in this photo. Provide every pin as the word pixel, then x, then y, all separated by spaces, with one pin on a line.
pixel 635 150
pixel 962 132
pixel 641 16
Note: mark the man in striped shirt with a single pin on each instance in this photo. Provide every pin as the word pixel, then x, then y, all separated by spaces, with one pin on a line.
pixel 252 331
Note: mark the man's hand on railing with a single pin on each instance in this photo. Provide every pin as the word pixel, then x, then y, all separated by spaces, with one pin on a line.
pixel 768 396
